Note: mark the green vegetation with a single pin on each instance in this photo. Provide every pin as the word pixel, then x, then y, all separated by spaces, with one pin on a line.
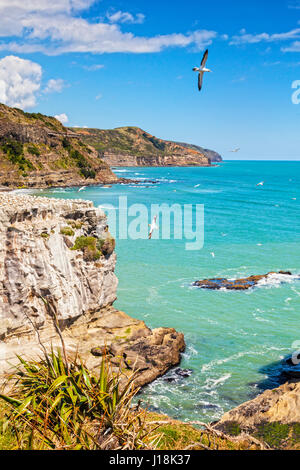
pixel 296 433
pixel 128 141
pixel 56 404
pixel 34 150
pixel 89 246
pixel 49 121
pixel 7 436
pixel 85 167
pixel 76 224
pixel 107 245
pixel 66 144
pixel 45 235
pixel 273 434
pixel 67 231
pixel 176 435
pixel 233 428
pixel 14 152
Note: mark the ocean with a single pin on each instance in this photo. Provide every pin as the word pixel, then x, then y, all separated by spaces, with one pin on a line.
pixel 235 340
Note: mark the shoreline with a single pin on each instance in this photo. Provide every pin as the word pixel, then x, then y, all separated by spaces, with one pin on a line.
pixel 60 199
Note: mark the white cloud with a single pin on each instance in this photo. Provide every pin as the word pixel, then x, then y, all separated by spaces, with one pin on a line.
pixel 294 47
pixel 20 80
pixel 55 27
pixel 54 86
pixel 63 118
pixel 93 68
pixel 125 17
pixel 98 97
pixel 245 38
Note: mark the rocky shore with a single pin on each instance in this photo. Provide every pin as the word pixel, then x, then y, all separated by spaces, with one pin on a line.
pixel 238 284
pixel 57 259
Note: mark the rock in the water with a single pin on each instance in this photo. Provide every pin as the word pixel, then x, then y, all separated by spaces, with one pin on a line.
pixel 178 374
pixel 236 284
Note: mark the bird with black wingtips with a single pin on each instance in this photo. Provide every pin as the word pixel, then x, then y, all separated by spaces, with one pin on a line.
pixel 202 70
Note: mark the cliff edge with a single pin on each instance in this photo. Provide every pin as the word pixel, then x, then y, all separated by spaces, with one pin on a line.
pixel 57 258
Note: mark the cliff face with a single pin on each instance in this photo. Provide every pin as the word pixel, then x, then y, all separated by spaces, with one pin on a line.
pixel 57 257
pixel 273 417
pixel 38 151
pixel 131 146
pixel 211 154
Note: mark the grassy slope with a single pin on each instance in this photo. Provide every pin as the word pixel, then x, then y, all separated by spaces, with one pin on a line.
pixel 131 141
pixel 31 143
pixel 175 435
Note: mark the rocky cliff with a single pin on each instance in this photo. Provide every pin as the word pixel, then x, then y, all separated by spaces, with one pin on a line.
pixel 211 154
pixel 38 151
pixel 57 260
pixel 273 417
pixel 131 146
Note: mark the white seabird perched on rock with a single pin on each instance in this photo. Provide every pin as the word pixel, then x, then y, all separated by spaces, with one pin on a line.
pixel 202 69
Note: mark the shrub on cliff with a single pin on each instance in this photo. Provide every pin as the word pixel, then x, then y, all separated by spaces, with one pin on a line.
pixel 34 150
pixel 14 152
pixel 67 231
pixel 89 247
pixel 85 167
pixel 107 245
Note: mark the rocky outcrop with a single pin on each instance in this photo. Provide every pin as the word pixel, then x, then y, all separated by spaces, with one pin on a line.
pixel 57 260
pixel 273 416
pixel 236 284
pixel 214 157
pixel 38 151
pixel 131 146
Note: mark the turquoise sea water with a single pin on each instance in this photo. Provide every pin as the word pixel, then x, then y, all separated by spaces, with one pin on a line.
pixel 235 340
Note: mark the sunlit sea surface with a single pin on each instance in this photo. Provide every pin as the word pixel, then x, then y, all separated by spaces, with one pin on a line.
pixel 235 340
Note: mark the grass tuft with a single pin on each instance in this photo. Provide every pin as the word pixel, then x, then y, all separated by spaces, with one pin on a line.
pixel 54 405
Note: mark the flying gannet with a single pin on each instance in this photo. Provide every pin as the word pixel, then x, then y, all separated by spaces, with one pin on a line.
pixel 202 69
pixel 81 189
pixel 153 226
pixel 235 150
pixel 261 183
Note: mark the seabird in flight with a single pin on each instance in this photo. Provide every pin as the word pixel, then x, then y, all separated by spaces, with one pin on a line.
pixel 202 69
pixel 153 226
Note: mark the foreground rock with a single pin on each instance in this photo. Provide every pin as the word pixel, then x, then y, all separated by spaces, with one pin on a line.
pixel 57 259
pixel 236 284
pixel 273 417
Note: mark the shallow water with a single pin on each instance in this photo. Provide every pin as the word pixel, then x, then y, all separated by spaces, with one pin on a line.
pixel 234 339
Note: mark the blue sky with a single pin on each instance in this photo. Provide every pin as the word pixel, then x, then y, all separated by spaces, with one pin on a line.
pixel 113 63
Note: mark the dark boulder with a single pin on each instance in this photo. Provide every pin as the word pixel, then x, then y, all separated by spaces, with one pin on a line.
pixel 235 284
